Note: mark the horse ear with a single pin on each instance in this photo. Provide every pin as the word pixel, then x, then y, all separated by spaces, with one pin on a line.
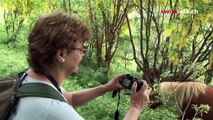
pixel 191 79
pixel 155 87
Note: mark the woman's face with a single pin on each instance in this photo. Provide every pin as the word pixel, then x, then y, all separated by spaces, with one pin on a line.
pixel 74 58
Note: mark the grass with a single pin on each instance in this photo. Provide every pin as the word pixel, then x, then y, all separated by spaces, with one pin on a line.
pixel 12 60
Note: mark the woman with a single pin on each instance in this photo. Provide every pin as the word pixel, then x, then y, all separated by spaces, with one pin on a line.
pixel 54 52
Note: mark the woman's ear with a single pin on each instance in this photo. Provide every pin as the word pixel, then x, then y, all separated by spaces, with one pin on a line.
pixel 60 55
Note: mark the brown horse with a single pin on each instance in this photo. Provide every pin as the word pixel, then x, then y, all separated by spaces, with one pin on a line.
pixel 187 94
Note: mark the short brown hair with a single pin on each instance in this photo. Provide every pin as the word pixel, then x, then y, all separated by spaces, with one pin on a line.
pixel 51 33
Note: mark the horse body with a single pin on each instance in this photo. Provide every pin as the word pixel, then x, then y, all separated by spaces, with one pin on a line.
pixel 206 98
pixel 187 94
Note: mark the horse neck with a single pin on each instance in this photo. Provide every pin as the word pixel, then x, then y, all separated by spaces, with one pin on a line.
pixel 183 91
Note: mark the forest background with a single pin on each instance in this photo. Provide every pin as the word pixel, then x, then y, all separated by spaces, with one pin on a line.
pixel 155 40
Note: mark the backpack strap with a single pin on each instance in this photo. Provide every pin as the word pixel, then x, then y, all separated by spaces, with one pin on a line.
pixel 17 80
pixel 17 84
pixel 39 90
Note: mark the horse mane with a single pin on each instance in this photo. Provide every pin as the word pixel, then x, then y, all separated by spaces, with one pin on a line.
pixel 183 91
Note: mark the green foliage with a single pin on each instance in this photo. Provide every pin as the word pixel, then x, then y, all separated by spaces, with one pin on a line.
pixel 15 13
pixel 87 77
pixel 102 108
pixel 203 108
pixel 12 60
pixel 159 114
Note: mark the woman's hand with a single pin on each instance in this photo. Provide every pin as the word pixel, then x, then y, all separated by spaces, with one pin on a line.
pixel 141 98
pixel 114 84
pixel 138 101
